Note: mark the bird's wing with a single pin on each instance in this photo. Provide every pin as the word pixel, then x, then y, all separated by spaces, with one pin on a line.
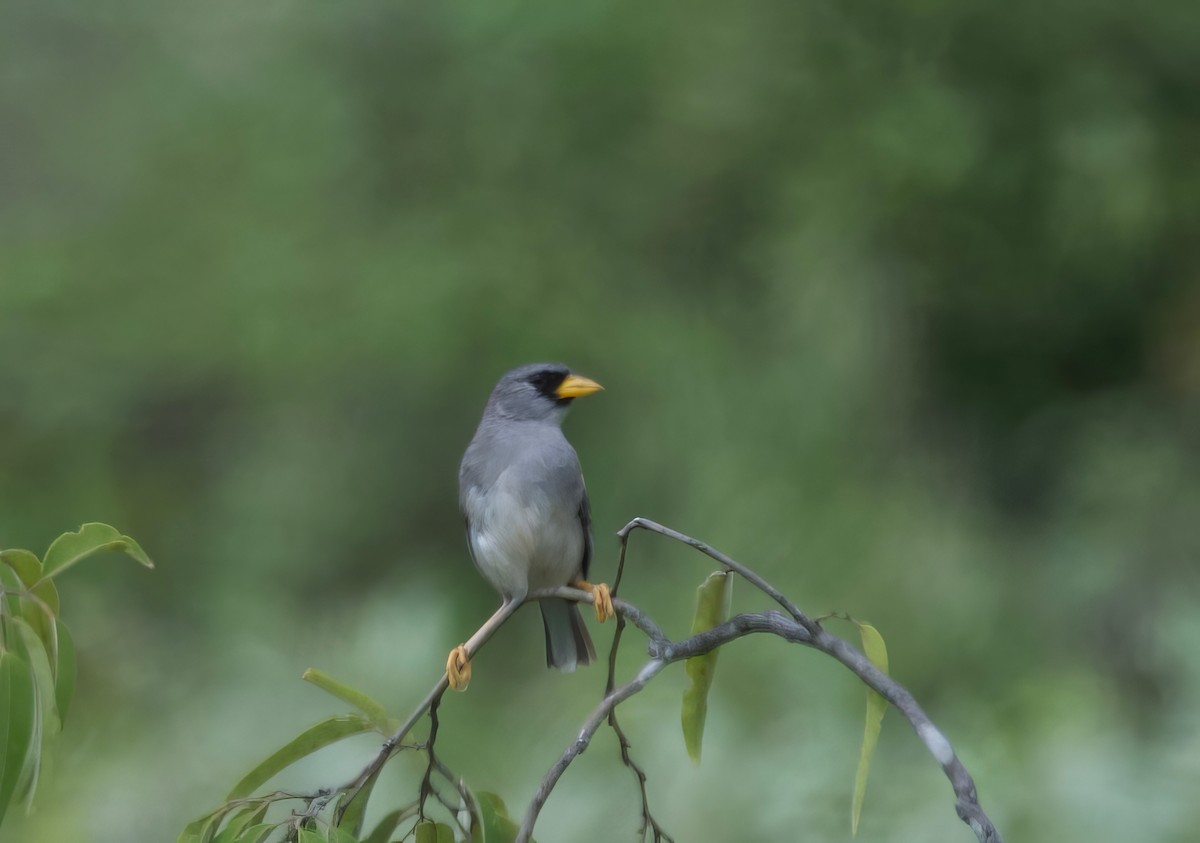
pixel 470 543
pixel 585 522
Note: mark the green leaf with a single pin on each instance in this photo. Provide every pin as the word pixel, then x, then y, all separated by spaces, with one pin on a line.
pixel 876 651
pixel 45 721
pixel 244 818
pixel 426 832
pixel 201 827
pixel 310 740
pixel 498 826
pixel 18 707
pixel 39 605
pixel 255 833
pixel 340 835
pixel 43 675
pixel 713 599
pixel 47 592
pixel 308 835
pixel 350 814
pixel 26 564
pixel 40 615
pixel 445 834
pixel 64 671
pixel 70 548
pixel 11 583
pixel 364 703
pixel 383 830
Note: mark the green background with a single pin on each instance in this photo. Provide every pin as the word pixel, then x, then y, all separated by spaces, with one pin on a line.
pixel 895 302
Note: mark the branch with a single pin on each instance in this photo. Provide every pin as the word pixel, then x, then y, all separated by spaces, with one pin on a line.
pixel 810 633
pixel 597 717
pixel 393 744
pixel 791 625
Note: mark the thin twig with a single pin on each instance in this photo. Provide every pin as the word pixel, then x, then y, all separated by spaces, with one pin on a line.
pixel 732 564
pixel 623 742
pixel 393 743
pixel 427 779
pixel 593 722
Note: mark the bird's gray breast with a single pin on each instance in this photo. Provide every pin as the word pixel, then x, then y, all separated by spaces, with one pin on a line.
pixel 520 489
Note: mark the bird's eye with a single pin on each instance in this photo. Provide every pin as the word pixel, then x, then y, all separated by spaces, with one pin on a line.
pixel 546 382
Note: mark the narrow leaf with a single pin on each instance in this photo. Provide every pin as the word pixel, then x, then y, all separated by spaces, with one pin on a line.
pixel 256 833
pixel 70 548
pixel 364 703
pixel 18 706
pixel 713 599
pixel 47 592
pixel 498 826
pixel 382 832
pixel 242 819
pixel 310 740
pixel 64 671
pixel 10 583
pixel 43 675
pixel 45 717
pixel 40 615
pixel 876 651
pixel 340 835
pixel 350 815
pixel 428 831
pixel 199 828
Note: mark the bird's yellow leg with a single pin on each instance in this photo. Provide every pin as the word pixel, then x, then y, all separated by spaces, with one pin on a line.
pixel 601 596
pixel 458 668
pixel 458 663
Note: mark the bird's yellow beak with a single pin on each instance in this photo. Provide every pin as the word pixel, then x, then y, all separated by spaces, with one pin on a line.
pixel 576 387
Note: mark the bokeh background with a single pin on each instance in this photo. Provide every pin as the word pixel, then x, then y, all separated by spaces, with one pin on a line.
pixel 896 302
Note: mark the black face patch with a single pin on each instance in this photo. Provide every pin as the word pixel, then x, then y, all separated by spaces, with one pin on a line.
pixel 546 381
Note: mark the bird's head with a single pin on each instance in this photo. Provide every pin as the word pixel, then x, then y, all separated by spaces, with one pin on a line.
pixel 539 391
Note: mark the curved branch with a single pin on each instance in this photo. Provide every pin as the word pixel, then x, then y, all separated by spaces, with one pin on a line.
pixel 967 798
pixel 794 626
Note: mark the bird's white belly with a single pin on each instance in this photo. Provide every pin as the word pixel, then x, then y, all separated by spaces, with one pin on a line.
pixel 522 540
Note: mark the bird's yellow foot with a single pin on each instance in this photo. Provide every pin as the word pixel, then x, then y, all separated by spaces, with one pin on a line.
pixel 458 668
pixel 601 597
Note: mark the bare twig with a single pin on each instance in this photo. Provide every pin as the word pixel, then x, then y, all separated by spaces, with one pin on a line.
pixel 648 821
pixel 427 779
pixel 730 563
pixel 393 743
pixel 593 722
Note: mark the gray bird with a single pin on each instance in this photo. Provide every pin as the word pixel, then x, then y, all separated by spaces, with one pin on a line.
pixel 522 494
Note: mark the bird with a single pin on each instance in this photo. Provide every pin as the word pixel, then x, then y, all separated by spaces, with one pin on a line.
pixel 528 520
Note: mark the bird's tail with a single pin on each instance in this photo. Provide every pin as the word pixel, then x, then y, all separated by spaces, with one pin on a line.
pixel 567 641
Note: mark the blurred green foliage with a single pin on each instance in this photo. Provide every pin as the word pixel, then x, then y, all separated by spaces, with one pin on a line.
pixel 896 302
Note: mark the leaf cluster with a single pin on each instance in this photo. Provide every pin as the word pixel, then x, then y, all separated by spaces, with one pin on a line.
pixel 337 816
pixel 37 653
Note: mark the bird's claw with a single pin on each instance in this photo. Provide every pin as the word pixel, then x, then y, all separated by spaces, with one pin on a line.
pixel 458 668
pixel 601 599
pixel 603 602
